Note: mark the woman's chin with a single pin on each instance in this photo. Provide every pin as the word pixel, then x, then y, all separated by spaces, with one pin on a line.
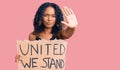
pixel 48 27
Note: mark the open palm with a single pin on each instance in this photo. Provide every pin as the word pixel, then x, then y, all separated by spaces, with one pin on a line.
pixel 70 17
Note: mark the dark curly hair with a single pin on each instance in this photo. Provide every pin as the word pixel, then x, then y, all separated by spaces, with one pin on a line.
pixel 38 23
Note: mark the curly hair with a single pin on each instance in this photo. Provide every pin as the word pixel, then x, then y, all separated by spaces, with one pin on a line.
pixel 38 23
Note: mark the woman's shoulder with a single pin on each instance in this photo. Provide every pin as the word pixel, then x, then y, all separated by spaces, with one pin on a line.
pixel 32 36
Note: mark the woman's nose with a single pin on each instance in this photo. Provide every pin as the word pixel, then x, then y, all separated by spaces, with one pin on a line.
pixel 49 18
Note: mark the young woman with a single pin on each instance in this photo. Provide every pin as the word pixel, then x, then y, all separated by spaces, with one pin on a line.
pixel 51 23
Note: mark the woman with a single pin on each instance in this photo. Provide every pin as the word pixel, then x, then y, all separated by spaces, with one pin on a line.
pixel 49 23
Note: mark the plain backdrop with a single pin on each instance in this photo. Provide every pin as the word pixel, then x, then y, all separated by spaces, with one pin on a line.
pixel 94 46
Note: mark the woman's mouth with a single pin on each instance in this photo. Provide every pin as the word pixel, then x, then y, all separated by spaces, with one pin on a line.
pixel 49 23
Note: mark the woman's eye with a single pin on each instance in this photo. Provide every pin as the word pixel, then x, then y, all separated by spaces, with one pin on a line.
pixel 53 16
pixel 45 15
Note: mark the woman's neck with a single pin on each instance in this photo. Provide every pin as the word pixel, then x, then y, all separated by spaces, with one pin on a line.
pixel 47 31
pixel 46 34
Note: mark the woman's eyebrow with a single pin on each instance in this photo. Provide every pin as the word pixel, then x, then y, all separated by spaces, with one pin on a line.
pixel 48 14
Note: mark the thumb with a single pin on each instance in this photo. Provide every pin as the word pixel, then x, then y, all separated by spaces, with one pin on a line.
pixel 65 23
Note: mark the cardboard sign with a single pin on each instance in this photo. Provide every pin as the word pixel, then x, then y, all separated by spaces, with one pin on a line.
pixel 42 55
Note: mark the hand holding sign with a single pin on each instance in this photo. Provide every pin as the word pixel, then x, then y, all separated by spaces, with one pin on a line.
pixel 17 58
pixel 70 17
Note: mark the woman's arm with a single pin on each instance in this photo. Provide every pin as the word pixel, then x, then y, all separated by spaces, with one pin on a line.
pixel 70 23
pixel 67 33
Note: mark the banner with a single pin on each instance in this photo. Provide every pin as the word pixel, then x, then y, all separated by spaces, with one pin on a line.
pixel 42 54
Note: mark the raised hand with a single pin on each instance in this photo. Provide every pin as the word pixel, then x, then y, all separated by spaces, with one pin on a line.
pixel 70 17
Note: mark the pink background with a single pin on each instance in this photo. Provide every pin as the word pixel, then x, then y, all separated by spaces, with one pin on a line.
pixel 94 46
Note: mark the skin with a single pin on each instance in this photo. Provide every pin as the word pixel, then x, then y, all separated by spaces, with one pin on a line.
pixel 49 20
pixel 49 17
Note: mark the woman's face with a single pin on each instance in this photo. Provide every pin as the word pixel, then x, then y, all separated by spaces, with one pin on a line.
pixel 49 17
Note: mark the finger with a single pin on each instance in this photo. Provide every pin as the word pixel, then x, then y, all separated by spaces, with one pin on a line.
pixel 64 23
pixel 17 58
pixel 71 11
pixel 65 10
pixel 68 10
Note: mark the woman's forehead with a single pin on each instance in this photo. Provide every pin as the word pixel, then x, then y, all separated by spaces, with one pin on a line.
pixel 49 10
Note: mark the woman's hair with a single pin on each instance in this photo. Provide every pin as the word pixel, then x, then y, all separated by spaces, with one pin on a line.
pixel 38 22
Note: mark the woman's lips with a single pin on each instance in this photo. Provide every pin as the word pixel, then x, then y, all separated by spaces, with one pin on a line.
pixel 49 23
